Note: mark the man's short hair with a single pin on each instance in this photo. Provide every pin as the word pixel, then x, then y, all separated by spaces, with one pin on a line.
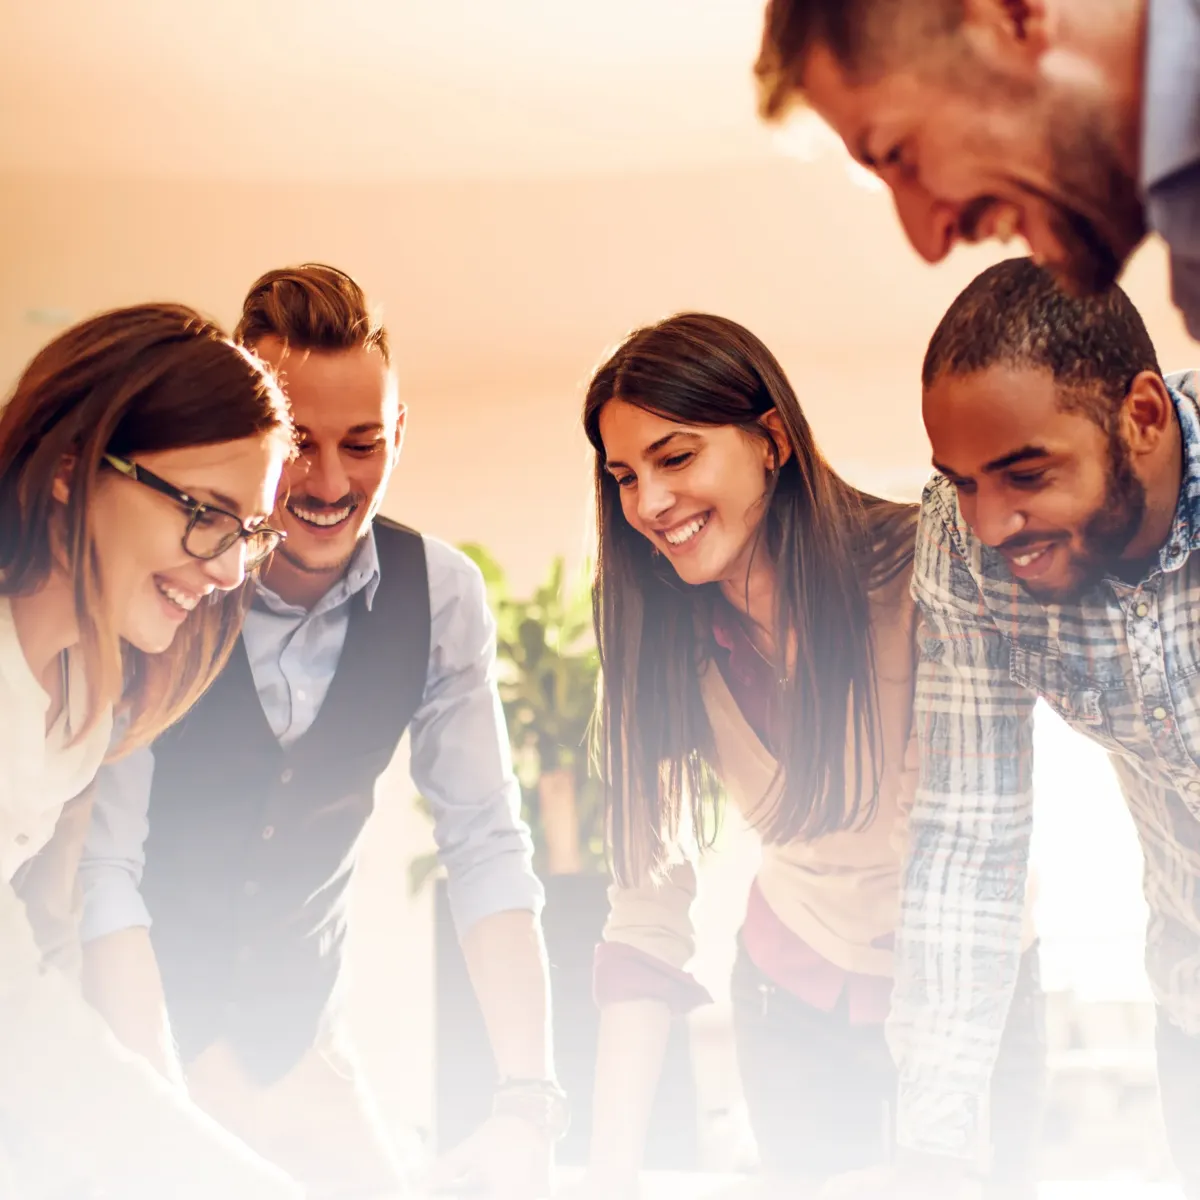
pixel 1016 315
pixel 862 36
pixel 311 307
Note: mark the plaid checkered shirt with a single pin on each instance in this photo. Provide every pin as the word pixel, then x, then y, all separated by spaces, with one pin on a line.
pixel 1122 666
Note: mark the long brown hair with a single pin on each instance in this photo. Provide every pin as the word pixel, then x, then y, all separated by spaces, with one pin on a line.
pixel 831 545
pixel 133 381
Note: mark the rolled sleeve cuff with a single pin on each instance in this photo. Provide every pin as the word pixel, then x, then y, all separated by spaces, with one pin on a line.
pixel 110 908
pixel 621 973
pixel 941 1121
pixel 503 884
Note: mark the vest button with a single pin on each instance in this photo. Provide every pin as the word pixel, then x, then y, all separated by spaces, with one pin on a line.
pixel 1160 713
pixel 286 777
pixel 1142 609
pixel 268 833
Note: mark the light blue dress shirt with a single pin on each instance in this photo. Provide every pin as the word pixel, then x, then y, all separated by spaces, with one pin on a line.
pixel 460 761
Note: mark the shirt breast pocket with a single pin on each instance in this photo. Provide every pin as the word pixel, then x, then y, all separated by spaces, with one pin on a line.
pixel 1087 697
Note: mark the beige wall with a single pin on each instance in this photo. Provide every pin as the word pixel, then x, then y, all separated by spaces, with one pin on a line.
pixel 502 295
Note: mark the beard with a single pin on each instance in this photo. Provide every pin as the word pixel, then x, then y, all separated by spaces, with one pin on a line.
pixel 1096 214
pixel 1108 531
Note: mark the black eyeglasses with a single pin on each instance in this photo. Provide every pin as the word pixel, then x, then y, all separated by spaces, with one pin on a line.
pixel 210 530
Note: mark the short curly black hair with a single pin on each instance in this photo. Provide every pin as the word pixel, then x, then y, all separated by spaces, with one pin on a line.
pixel 1015 314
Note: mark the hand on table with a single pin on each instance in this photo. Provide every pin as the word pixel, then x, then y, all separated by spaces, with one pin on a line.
pixel 506 1158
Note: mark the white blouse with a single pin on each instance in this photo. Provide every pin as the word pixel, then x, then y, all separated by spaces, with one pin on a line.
pixel 41 772
pixel 74 1103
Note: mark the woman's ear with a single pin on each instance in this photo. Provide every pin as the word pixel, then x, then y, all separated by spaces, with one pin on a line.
pixel 774 427
pixel 61 487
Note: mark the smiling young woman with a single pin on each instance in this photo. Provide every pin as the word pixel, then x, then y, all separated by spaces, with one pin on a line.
pixel 758 641
pixel 139 457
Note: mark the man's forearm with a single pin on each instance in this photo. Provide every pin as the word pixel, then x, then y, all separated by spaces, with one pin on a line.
pixel 121 981
pixel 506 959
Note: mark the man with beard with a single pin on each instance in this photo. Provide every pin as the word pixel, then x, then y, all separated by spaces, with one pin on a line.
pixel 1058 556
pixel 216 873
pixel 1073 123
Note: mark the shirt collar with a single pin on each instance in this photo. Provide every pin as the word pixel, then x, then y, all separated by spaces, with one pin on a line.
pixel 362 575
pixel 1171 91
pixel 1185 528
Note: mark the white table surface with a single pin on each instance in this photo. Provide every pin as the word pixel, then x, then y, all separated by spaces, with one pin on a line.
pixel 682 1185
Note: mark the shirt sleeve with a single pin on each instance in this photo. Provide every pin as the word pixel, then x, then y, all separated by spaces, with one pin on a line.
pixel 461 759
pixel 110 872
pixel 963 898
pixel 649 942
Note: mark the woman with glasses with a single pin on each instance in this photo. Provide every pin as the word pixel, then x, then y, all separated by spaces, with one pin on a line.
pixel 139 460
pixel 758 642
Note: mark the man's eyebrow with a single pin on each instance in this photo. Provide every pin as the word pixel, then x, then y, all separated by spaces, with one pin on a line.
pixel 999 464
pixel 1023 455
pixel 368 427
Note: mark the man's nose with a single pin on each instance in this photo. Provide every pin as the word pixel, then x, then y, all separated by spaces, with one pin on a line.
pixel 930 224
pixel 326 478
pixel 993 519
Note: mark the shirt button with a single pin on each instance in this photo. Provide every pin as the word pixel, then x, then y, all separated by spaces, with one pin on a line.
pixel 1194 787
pixel 286 777
pixel 245 954
pixel 301 695
pixel 250 888
pixel 1160 713
pixel 1142 609
pixel 268 833
pixel 22 839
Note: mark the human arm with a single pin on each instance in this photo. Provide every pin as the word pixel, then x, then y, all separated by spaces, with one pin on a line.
pixel 461 761
pixel 69 1086
pixel 49 886
pixel 120 973
pixel 962 903
pixel 641 984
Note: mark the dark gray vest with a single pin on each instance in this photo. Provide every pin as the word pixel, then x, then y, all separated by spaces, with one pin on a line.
pixel 252 845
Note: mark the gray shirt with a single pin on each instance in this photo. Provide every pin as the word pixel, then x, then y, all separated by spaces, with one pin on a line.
pixel 461 760
pixel 1171 144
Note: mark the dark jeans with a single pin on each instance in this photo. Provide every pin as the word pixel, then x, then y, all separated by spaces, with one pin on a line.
pixel 1179 1089
pixel 821 1092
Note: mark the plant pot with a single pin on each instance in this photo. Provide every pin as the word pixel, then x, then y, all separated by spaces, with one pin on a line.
pixel 576 909
pixel 559 821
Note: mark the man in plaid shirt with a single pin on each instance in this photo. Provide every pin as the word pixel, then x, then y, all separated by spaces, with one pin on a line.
pixel 1056 558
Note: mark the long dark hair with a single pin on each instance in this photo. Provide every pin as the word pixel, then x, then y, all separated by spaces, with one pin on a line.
pixel 831 544
pixel 132 381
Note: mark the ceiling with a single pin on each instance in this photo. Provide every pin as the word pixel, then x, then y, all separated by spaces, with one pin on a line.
pixel 377 89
